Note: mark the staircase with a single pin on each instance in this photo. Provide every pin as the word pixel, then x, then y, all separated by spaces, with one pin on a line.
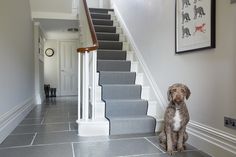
pixel 124 107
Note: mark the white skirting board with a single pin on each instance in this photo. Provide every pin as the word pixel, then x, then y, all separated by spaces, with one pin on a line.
pixel 12 118
pixel 216 142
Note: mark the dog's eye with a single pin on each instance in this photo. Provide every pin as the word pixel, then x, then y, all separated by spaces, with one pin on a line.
pixel 182 91
pixel 173 90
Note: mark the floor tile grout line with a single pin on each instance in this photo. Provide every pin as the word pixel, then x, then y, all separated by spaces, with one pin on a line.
pixel 69 127
pixel 81 142
pixel 45 124
pixel 154 145
pixel 73 150
pixel 36 145
pixel 137 155
pixel 17 134
pixel 42 121
pixel 42 132
pixel 33 139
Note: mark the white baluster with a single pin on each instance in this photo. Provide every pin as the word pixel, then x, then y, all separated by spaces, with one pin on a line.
pixel 85 86
pixel 94 64
pixel 79 86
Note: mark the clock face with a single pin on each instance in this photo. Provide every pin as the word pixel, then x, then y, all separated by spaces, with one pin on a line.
pixel 49 52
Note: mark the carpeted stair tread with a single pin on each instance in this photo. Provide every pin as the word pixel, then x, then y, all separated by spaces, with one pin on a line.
pixel 131 125
pixel 105 29
pixel 107 36
pixel 117 108
pixel 100 16
pixel 120 91
pixel 111 55
pixel 110 45
pixel 100 10
pixel 103 22
pixel 111 77
pixel 113 65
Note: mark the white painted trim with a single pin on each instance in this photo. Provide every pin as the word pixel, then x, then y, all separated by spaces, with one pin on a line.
pixel 54 15
pixel 141 60
pixel 209 138
pixel 12 118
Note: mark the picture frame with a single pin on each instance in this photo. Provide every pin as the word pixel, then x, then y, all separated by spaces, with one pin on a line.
pixel 194 25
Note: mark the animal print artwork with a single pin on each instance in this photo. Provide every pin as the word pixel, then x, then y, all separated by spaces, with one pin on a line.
pixel 185 32
pixel 198 12
pixel 200 28
pixel 194 24
pixel 185 3
pixel 185 17
pixel 195 1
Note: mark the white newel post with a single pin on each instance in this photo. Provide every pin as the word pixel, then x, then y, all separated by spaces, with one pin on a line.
pixel 91 119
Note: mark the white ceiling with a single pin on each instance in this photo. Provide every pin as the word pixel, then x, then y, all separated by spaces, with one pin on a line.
pixel 56 16
pixel 52 27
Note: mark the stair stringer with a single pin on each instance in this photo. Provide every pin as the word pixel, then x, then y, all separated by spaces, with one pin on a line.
pixel 150 91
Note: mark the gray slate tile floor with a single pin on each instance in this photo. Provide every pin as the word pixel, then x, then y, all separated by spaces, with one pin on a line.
pixel 50 130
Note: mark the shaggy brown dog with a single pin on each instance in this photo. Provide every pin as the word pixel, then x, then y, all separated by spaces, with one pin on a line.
pixel 174 135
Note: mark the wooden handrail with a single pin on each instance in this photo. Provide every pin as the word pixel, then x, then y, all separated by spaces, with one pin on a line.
pixel 92 31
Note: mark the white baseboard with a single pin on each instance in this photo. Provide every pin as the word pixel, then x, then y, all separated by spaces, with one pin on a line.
pixel 152 82
pixel 12 118
pixel 216 142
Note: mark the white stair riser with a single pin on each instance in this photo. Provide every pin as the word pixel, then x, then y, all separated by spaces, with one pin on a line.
pixel 122 38
pixel 139 78
pixel 145 92
pixel 119 30
pixel 130 57
pixel 100 109
pixel 125 46
pixel 116 24
pixel 152 110
pixel 93 127
pixel 134 66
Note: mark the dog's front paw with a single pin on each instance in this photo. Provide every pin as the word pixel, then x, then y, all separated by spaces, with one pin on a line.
pixel 170 151
pixel 180 149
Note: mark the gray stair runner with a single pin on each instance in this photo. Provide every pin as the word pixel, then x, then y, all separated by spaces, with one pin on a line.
pixel 113 77
pixel 99 10
pixel 125 110
pixel 106 29
pixel 107 36
pixel 111 55
pixel 100 16
pixel 110 45
pixel 103 22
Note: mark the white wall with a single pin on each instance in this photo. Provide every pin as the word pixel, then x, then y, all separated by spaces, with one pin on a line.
pixel 210 74
pixel 16 61
pixel 98 3
pixel 62 6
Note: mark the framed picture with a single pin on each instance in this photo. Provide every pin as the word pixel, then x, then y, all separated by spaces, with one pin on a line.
pixel 194 25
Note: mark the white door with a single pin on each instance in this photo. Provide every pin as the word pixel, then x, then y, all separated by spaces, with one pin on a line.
pixel 68 68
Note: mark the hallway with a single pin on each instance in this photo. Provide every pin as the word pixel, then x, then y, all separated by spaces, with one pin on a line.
pixel 50 130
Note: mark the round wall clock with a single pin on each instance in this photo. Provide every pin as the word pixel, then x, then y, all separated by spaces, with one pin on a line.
pixel 49 52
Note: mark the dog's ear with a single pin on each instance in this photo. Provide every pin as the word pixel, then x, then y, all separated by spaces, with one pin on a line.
pixel 188 93
pixel 169 96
